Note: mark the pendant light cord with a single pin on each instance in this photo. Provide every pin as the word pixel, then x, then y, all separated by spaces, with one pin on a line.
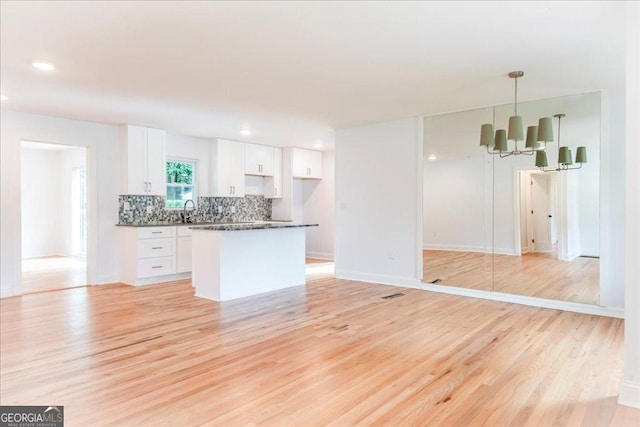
pixel 516 103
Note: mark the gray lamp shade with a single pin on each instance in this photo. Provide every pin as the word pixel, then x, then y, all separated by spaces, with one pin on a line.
pixel 515 128
pixel 501 140
pixel 545 130
pixel 486 135
pixel 564 156
pixel 581 155
pixel 541 159
pixel 532 137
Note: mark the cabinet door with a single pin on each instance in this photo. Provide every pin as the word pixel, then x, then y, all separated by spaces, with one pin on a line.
pixel 252 165
pixel 184 255
pixel 273 185
pixel 307 163
pixel 136 160
pixel 266 160
pixel 236 168
pixel 156 162
pixel 314 163
pixel 300 168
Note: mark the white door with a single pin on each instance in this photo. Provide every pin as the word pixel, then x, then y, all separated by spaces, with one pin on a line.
pixel 541 212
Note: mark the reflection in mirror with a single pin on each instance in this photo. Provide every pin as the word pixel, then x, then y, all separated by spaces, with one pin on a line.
pixel 456 201
pixel 547 223
pixel 505 225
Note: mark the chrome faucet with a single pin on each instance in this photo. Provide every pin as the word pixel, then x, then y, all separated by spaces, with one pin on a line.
pixel 184 210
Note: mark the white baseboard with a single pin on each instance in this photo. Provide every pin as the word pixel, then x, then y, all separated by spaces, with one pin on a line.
pixel 529 301
pixel 159 279
pixel 320 255
pixel 478 249
pixel 107 280
pixel 454 248
pixel 403 282
pixel 629 394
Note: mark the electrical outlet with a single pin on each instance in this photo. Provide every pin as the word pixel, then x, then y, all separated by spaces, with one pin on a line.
pixel 127 206
pixel 149 209
pixel 219 209
pixel 233 209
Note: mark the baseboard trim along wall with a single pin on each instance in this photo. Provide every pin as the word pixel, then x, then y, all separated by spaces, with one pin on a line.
pixel 479 249
pixel 320 255
pixel 629 394
pixel 405 282
pixel 530 301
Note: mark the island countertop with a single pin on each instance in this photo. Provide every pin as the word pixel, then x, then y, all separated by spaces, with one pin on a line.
pixel 250 226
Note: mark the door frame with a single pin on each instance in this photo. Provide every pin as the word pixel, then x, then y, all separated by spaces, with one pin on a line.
pixel 92 212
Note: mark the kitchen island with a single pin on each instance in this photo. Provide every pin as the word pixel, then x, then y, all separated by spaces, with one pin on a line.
pixel 238 260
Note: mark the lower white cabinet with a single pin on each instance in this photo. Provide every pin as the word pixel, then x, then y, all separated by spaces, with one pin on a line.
pixel 183 250
pixel 154 254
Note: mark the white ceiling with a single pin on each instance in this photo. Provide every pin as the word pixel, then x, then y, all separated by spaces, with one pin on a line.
pixel 293 72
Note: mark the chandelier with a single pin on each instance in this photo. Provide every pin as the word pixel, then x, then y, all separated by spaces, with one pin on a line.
pixel 537 136
pixel 564 155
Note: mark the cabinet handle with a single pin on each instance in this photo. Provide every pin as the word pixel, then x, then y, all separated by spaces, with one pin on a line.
pixel 149 187
pixel 156 266
pixel 275 190
pixel 157 247
pixel 156 232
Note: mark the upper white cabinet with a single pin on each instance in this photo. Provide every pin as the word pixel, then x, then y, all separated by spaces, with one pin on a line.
pixel 258 160
pixel 306 163
pixel 273 184
pixel 142 161
pixel 226 168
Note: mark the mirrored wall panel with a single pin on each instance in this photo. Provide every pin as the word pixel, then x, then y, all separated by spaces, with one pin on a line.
pixel 504 224
pixel 457 210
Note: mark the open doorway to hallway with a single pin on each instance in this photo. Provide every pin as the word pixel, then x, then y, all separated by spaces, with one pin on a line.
pixel 54 216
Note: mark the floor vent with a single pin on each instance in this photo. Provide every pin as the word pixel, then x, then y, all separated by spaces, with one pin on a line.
pixel 399 294
pixel 435 281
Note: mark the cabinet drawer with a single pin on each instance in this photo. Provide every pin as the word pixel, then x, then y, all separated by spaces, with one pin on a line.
pixel 156 266
pixel 152 248
pixel 184 231
pixel 155 232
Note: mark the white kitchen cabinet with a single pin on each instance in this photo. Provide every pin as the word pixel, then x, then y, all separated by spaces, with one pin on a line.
pixel 306 164
pixel 273 184
pixel 147 255
pixel 258 160
pixel 183 253
pixel 226 168
pixel 142 161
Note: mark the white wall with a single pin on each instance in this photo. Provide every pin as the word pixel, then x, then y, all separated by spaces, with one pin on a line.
pixel 630 389
pixel 318 200
pixel 378 215
pixel 101 141
pixel 453 205
pixel 40 203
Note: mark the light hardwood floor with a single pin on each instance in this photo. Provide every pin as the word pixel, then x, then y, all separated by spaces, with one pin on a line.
pixel 55 272
pixel 534 274
pixel 331 353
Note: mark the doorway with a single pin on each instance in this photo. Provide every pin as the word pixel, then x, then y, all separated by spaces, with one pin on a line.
pixel 54 216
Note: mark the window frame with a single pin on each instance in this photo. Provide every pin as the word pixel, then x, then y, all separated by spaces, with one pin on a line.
pixel 194 180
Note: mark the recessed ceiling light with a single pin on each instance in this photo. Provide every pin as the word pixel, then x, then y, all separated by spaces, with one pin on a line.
pixel 245 132
pixel 432 157
pixel 318 145
pixel 44 66
pixel 3 97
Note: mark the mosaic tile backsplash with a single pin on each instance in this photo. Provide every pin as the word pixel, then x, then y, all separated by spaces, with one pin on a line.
pixel 151 210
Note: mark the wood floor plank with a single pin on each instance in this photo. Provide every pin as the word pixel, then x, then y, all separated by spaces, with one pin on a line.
pixel 333 352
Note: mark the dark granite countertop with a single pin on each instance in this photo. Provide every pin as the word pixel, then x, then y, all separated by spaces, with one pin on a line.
pixel 172 224
pixel 251 226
